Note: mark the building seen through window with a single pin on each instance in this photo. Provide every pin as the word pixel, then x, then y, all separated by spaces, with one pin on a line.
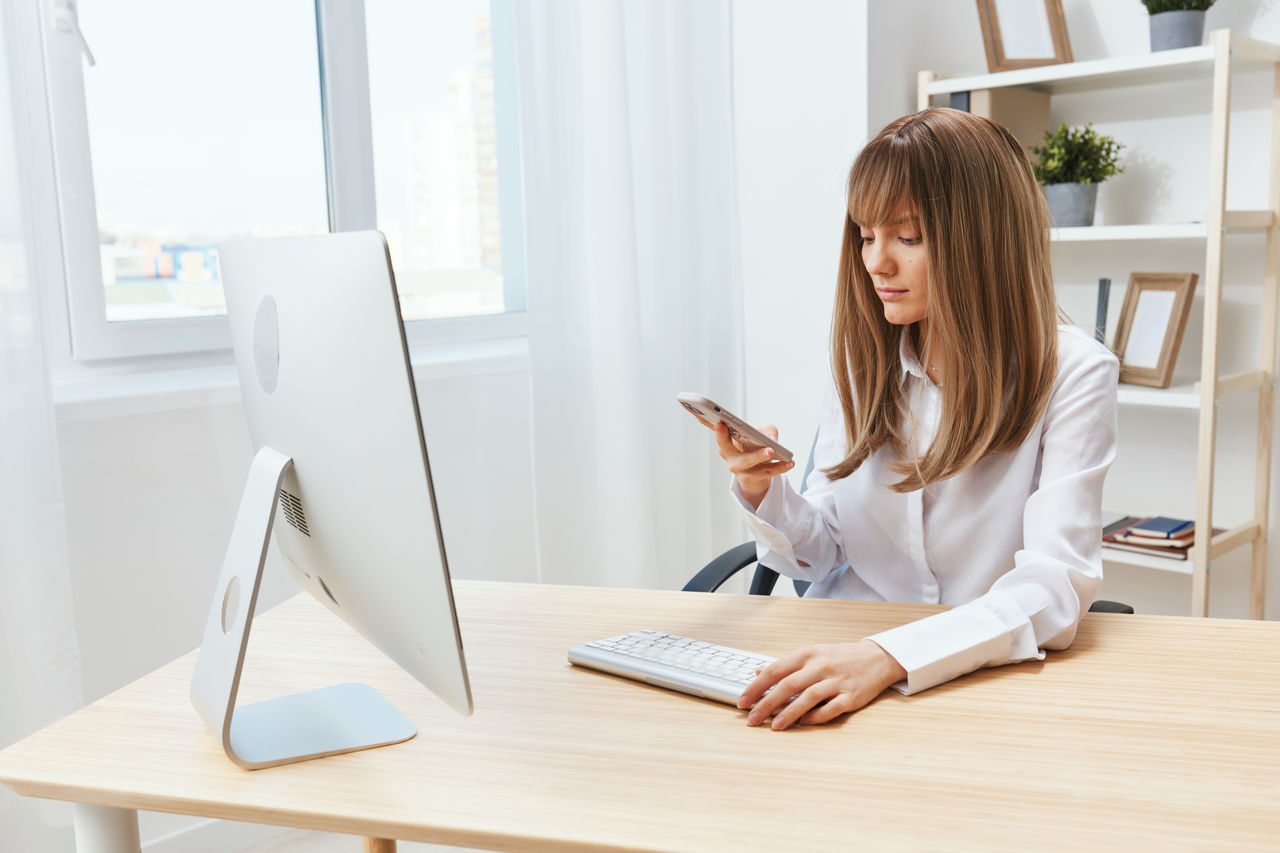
pixel 435 156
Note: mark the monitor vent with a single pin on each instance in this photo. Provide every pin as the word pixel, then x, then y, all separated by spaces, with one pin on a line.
pixel 292 508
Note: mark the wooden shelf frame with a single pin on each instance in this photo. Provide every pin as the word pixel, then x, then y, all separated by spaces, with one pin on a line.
pixel 1225 54
pixel 1227 48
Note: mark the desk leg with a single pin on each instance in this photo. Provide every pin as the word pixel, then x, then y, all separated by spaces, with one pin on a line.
pixel 103 829
pixel 379 845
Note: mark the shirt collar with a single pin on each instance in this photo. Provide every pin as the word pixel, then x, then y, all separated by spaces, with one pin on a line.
pixel 907 355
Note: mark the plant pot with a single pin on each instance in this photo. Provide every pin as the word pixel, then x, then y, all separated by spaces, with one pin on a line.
pixel 1172 30
pixel 1072 205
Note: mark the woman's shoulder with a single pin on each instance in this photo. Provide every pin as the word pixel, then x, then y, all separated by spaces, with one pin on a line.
pixel 1084 363
pixel 1077 347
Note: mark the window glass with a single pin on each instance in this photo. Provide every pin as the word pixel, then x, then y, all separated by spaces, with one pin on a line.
pixel 204 124
pixel 435 153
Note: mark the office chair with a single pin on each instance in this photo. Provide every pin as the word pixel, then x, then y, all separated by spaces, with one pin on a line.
pixel 713 575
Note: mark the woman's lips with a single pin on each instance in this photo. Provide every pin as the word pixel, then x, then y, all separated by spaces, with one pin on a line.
pixel 889 294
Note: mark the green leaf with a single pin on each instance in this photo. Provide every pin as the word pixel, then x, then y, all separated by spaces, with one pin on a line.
pixel 1078 155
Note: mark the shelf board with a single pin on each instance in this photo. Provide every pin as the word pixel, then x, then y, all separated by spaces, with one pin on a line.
pixel 1164 66
pixel 1181 231
pixel 1233 220
pixel 1186 394
pixel 1132 558
pixel 1182 396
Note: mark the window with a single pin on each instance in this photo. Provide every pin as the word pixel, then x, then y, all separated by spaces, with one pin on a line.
pixel 209 121
pixel 435 153
pixel 201 129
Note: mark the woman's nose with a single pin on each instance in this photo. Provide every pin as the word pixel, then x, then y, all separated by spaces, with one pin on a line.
pixel 877 260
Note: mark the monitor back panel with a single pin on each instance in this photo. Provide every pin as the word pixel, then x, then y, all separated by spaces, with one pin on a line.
pixel 324 372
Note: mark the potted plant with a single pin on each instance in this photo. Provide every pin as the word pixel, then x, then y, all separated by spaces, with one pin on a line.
pixel 1070 165
pixel 1176 23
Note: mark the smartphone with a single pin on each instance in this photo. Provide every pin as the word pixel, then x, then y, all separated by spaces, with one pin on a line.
pixel 747 435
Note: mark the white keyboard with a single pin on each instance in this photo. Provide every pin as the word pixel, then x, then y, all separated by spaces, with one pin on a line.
pixel 676 663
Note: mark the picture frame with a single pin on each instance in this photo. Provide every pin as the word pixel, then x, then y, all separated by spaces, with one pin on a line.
pixel 1023 33
pixel 1149 330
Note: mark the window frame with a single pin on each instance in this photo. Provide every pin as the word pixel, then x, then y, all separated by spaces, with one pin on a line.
pixel 346 127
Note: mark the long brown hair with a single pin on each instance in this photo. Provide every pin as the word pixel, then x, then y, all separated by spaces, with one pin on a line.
pixel 991 307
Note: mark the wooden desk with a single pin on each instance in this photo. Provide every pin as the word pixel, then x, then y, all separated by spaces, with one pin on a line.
pixel 1150 732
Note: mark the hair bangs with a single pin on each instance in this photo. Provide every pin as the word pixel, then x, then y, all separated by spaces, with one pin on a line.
pixel 879 185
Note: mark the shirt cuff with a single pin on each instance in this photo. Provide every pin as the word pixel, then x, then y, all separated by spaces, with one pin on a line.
pixel 770 542
pixel 988 632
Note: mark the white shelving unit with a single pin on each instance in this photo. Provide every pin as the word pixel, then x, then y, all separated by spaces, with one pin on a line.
pixel 1225 54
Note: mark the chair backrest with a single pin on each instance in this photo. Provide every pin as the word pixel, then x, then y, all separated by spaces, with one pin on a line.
pixel 808 466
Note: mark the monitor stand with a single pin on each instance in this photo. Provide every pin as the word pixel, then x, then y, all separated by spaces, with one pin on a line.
pixel 327 721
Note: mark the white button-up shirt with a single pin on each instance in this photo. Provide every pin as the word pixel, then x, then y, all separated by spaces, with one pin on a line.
pixel 1014 540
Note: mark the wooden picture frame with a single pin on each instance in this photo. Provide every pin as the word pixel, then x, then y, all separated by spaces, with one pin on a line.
pixel 1023 33
pixel 1152 320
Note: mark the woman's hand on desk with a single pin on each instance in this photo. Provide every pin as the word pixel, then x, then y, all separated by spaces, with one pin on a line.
pixel 846 676
pixel 754 468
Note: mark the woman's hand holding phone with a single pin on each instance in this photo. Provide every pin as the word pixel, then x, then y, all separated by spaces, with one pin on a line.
pixel 754 467
pixel 754 455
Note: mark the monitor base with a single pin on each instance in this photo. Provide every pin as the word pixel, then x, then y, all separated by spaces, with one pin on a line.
pixel 328 721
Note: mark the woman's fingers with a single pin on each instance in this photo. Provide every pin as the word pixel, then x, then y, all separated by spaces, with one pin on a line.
pixel 769 676
pixel 727 445
pixel 788 690
pixel 758 461
pixel 740 463
pixel 782 679
pixel 801 705
pixel 765 471
pixel 730 445
pixel 842 704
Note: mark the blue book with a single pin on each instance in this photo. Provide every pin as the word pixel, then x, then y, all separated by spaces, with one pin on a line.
pixel 1162 528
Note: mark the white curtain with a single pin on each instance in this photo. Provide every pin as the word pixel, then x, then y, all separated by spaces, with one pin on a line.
pixel 633 282
pixel 39 654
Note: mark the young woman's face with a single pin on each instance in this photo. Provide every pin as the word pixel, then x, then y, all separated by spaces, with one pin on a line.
pixel 894 256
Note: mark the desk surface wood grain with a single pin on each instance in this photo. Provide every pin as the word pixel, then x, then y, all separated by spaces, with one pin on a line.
pixel 1150 732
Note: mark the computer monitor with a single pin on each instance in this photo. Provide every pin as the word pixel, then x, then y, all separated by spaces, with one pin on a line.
pixel 341 463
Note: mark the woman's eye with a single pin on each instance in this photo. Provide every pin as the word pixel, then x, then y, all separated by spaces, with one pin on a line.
pixel 865 239
pixel 911 241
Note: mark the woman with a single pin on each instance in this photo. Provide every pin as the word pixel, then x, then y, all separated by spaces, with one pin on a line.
pixel 965 436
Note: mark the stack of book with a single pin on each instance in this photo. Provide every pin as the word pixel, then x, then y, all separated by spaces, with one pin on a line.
pixel 1157 536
